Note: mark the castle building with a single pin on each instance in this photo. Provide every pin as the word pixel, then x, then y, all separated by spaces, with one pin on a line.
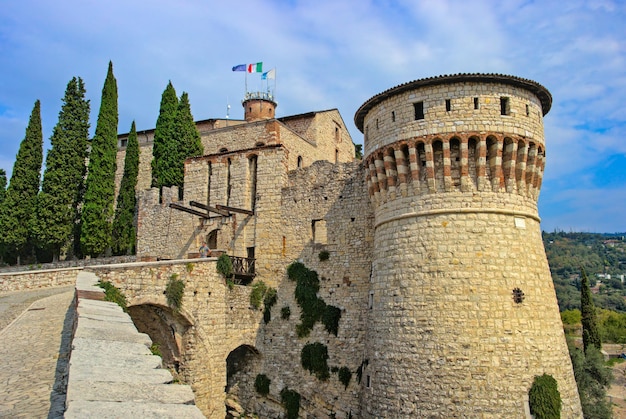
pixel 435 257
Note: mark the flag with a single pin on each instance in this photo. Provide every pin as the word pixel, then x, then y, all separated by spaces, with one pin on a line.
pixel 240 67
pixel 255 68
pixel 269 75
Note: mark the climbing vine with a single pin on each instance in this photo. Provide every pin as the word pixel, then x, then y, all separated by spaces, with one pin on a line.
pixel 345 375
pixel 224 266
pixel 262 384
pixel 313 308
pixel 291 402
pixel 314 357
pixel 174 292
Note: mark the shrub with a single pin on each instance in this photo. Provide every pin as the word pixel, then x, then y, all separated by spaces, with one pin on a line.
pixel 324 255
pixel 268 302
pixel 257 293
pixel 314 357
pixel 262 384
pixel 296 270
pixel 224 266
pixel 113 294
pixel 544 398
pixel 285 313
pixel 345 375
pixel 155 349
pixel 174 292
pixel 291 401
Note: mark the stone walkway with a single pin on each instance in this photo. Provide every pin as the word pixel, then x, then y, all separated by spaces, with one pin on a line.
pixel 35 331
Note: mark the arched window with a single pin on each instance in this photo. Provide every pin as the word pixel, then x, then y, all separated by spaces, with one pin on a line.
pixel 299 162
pixel 455 162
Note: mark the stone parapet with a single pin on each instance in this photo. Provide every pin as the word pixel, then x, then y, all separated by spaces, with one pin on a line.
pixel 112 372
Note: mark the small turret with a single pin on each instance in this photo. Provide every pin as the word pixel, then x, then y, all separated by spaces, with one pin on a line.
pixel 258 106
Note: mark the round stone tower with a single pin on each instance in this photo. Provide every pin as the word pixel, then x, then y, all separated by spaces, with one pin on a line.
pixel 463 313
pixel 258 106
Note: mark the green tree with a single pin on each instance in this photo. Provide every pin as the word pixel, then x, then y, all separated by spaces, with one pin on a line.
pixel 63 179
pixel 593 377
pixel 97 212
pixel 124 230
pixel 3 185
pixel 164 150
pixel 21 196
pixel 187 137
pixel 591 336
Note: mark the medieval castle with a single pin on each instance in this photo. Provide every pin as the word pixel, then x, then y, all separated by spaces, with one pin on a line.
pixel 432 243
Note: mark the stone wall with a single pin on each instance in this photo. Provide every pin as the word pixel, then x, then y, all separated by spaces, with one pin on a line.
pixel 29 280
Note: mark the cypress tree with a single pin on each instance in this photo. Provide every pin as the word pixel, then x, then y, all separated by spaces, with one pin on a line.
pixel 97 212
pixel 3 185
pixel 124 231
pixel 187 137
pixel 20 199
pixel 591 336
pixel 164 150
pixel 63 179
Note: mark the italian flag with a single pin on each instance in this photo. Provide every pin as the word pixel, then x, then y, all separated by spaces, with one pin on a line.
pixel 255 68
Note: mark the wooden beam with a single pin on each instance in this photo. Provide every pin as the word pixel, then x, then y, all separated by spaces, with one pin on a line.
pixel 189 210
pixel 231 209
pixel 208 208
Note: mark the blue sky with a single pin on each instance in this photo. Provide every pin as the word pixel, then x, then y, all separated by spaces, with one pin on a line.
pixel 336 54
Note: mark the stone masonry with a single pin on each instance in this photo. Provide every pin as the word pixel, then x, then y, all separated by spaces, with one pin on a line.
pixel 435 256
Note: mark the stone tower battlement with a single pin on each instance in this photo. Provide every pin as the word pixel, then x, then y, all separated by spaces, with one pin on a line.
pixel 461 133
pixel 460 289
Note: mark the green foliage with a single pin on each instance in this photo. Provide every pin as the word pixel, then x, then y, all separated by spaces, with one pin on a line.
pixel 314 357
pixel 544 398
pixel 330 319
pixel 262 384
pixel 593 378
pixel 97 212
pixel 155 349
pixel 21 196
pixel 174 292
pixel 313 308
pixel 164 152
pixel 591 336
pixel 177 139
pixel 323 255
pixel 285 313
pixel 269 300
pixel 189 267
pixel 124 229
pixel 63 179
pixel 3 185
pixel 291 402
pixel 256 295
pixel 571 317
pixel 345 375
pixel 358 151
pixel 600 254
pixel 224 266
pixel 113 294
pixel 611 325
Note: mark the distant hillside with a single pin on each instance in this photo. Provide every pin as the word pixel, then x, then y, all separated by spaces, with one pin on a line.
pixel 603 256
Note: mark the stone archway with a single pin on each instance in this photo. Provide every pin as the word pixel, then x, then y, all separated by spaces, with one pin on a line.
pixel 242 366
pixel 167 329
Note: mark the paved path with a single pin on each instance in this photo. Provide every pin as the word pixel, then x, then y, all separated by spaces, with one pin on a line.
pixel 35 331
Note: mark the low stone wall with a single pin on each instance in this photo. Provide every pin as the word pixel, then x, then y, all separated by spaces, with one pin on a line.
pixel 64 264
pixel 30 280
pixel 111 370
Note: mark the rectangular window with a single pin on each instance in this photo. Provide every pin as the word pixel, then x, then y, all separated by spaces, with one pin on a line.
pixel 368 381
pixel 370 302
pixel 448 105
pixel 123 143
pixel 419 110
pixel 475 103
pixel 527 110
pixel 393 116
pixel 505 107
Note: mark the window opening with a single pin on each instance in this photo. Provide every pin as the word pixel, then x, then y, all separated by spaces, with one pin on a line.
pixel 419 110
pixel 228 183
pixel 448 105
pixel 124 142
pixel 475 103
pixel 370 301
pixel 527 110
pixel 393 116
pixel 299 162
pixel 368 381
pixel 505 107
pixel 252 168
